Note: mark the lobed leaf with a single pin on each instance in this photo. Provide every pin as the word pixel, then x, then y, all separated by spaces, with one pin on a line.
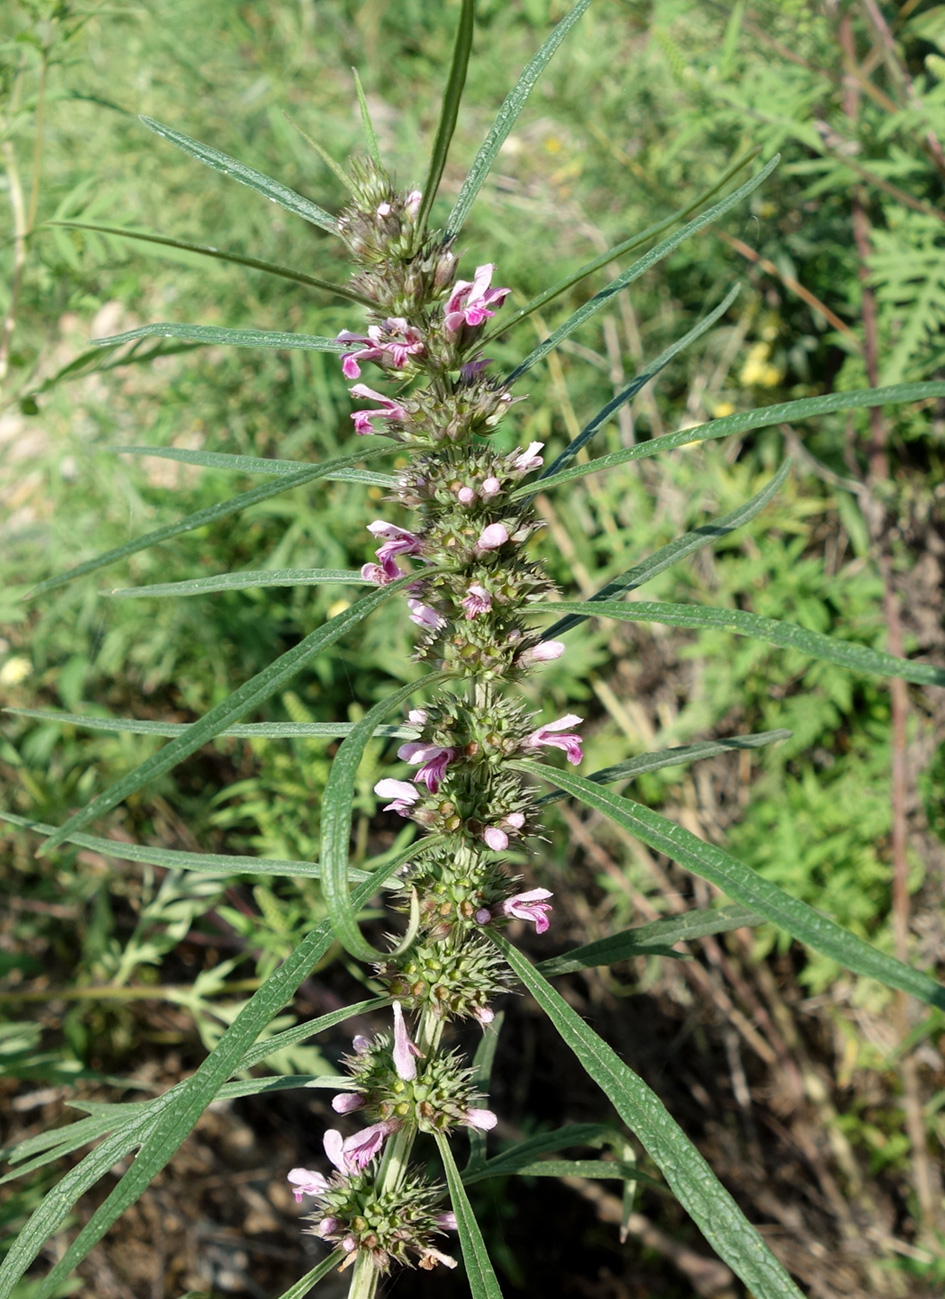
pixel 248 730
pixel 479 1271
pixel 786 634
pixel 249 695
pixel 274 190
pixel 640 267
pixel 512 105
pixel 247 579
pixel 449 112
pixel 261 465
pixel 676 550
pixel 212 514
pixel 748 887
pixel 743 422
pixel 690 1178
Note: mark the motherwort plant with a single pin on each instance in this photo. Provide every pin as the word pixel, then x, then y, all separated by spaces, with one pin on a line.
pixel 455 544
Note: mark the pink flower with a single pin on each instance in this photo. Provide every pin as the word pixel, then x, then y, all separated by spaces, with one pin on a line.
pixel 485 1015
pixel 466 496
pixel 492 537
pixel 402 794
pixel 398 541
pixel 495 838
pixel 434 758
pixel 383 209
pixel 305 1182
pixel 359 1150
pixel 417 717
pixel 470 300
pixel 446 1220
pixel 404 1053
pixel 390 344
pixel 547 737
pixel 423 615
pixel 530 906
pixel 545 652
pixel 491 487
pixel 412 202
pixel 477 600
pixel 362 418
pixel 379 576
pixel 346 1102
pixel 327 1226
pixel 471 371
pixel 529 458
pixel 484 1120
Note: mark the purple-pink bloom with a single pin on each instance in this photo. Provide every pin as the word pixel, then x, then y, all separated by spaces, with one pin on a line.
pixel 477 600
pixel 466 496
pixel 423 615
pixel 346 1102
pixel 412 202
pixel 359 1150
pixel 547 736
pixel 492 537
pixel 404 1053
pixel 434 757
pixel 390 344
pixel 306 1182
pixel 529 458
pixel 471 371
pixel 484 1120
pixel 403 795
pixel 446 1220
pixel 417 717
pixel 491 487
pixel 397 541
pixel 470 300
pixel 485 1015
pixel 530 906
pixel 362 418
pixel 545 652
pixel 495 838
pixel 334 1142
pixel 327 1226
pixel 379 576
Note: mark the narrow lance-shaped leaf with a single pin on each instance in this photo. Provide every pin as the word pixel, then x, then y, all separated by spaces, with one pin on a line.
pixel 752 890
pixel 643 940
pixel 765 417
pixel 245 730
pixel 162 1129
pixel 633 387
pixel 250 579
pixel 303 1287
pixel 274 190
pixel 639 268
pixel 218 335
pixel 336 820
pixel 449 112
pixel 212 514
pixel 690 1178
pixel 219 254
pixel 572 1134
pixel 252 693
pixel 508 114
pixel 676 550
pixel 619 250
pixel 261 465
pixel 670 758
pixel 479 1270
pixel 786 634
pixel 367 126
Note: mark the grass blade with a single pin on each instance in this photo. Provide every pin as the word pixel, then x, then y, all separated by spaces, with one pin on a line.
pixel 261 465
pixel 274 190
pixel 512 105
pixel 216 334
pixel 246 731
pixel 326 158
pixel 449 112
pixel 318 1273
pixel 479 1271
pixel 786 634
pixel 572 1134
pixel 752 890
pixel 676 550
pixel 667 758
pixel 744 422
pixel 250 579
pixel 336 820
pixel 249 695
pixel 367 126
pixel 238 259
pixel 640 267
pixel 690 1178
pixel 645 940
pixel 212 514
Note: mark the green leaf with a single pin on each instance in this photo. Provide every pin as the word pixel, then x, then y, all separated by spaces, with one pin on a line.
pixel 248 579
pixel 205 250
pixel 329 162
pixel 786 634
pixel 260 465
pixel 668 758
pixel 274 190
pixel 448 113
pixel 249 695
pixel 690 1178
pixel 628 245
pixel 165 1125
pixel 246 731
pixel 644 940
pixel 632 388
pixel 572 1134
pixel 751 889
pixel 318 1273
pixel 367 126
pixel 743 422
pixel 479 1271
pixel 207 334
pixel 676 550
pixel 599 1169
pixel 640 267
pixel 513 104
pixel 212 514
pixel 336 818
